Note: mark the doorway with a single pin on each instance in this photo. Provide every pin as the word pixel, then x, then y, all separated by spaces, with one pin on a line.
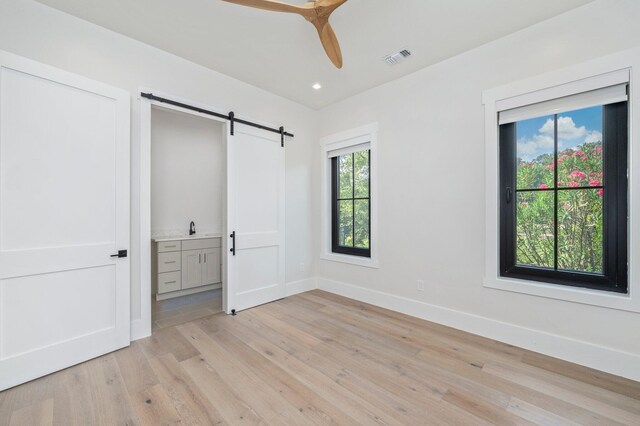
pixel 187 205
pixel 251 246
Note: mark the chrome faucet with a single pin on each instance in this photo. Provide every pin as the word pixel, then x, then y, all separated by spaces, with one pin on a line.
pixel 192 228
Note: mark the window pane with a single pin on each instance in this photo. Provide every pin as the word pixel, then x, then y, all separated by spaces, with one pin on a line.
pixel 362 223
pixel 361 170
pixel 580 213
pixel 345 175
pixel 535 152
pixel 345 223
pixel 535 229
pixel 580 148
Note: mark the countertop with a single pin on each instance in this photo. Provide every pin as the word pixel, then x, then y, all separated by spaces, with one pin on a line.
pixel 182 237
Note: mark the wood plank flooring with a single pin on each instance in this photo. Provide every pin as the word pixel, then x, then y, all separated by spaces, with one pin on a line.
pixel 170 312
pixel 316 359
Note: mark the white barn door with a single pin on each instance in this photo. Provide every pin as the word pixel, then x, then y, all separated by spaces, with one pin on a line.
pixel 255 216
pixel 64 211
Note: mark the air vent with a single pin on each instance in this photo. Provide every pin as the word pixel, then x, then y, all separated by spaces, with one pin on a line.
pixel 397 57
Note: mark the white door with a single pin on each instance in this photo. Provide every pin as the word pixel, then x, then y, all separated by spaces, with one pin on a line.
pixel 64 211
pixel 191 269
pixel 256 213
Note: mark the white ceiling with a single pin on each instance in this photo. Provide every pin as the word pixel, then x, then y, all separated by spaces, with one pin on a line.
pixel 281 53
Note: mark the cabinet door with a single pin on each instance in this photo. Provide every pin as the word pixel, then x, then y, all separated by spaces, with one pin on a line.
pixel 191 269
pixel 211 266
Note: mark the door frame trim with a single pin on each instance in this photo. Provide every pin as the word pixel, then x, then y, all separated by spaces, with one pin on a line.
pixel 143 328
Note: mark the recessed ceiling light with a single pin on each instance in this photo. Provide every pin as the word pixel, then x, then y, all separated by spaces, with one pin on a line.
pixel 317 86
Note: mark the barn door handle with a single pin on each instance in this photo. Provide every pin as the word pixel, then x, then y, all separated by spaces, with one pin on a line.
pixel 233 242
pixel 121 253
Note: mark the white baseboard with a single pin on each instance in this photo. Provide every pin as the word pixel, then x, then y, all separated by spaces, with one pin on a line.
pixel 139 330
pixel 296 287
pixel 587 354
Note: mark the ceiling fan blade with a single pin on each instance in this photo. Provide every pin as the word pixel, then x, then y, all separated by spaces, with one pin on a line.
pixel 330 43
pixel 317 12
pixel 276 6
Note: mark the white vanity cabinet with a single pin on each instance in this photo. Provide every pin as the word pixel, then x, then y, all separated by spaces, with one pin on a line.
pixel 200 267
pixel 191 268
pixel 189 265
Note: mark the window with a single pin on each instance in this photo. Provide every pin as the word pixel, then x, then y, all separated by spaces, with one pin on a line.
pixel 351 203
pixel 349 197
pixel 563 191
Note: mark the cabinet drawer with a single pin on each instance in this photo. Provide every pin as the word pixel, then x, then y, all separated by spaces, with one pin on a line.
pixel 169 281
pixel 166 246
pixel 201 244
pixel 168 262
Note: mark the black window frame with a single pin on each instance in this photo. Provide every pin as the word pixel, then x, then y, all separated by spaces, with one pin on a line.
pixel 615 215
pixel 335 212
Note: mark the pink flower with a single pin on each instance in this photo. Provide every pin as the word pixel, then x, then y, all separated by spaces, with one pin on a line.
pixel 584 158
pixel 594 183
pixel 597 149
pixel 523 204
pixel 550 167
pixel 566 206
pixel 577 174
pixel 601 192
pixel 578 154
pixel 543 186
pixel 560 183
pixel 573 184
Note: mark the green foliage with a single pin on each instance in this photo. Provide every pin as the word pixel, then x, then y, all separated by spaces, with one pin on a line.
pixel 580 211
pixel 353 181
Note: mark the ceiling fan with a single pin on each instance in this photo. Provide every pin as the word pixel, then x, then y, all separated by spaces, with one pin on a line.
pixel 317 12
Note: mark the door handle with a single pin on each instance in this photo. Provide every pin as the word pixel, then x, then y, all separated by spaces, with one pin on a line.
pixel 233 242
pixel 121 253
pixel 508 195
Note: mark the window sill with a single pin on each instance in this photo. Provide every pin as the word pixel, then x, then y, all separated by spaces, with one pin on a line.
pixel 353 260
pixel 585 296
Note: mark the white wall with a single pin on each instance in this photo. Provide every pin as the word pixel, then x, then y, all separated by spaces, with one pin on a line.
pixel 431 159
pixel 187 161
pixel 30 29
pixel 431 190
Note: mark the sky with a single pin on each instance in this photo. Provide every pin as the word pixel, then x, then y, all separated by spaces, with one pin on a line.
pixel 535 136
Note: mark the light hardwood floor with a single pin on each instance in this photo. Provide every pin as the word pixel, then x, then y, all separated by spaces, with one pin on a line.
pixel 318 358
pixel 170 312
